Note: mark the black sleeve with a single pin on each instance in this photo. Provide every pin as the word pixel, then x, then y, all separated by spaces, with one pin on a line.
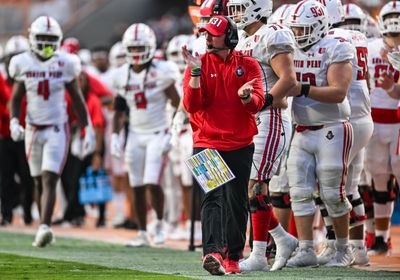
pixel 120 103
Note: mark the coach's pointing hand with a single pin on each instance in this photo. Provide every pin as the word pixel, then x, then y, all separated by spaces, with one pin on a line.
pixel 245 91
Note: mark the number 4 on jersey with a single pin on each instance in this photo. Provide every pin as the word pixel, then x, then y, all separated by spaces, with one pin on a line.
pixel 43 89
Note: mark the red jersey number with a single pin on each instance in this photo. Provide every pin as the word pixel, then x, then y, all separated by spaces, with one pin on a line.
pixel 379 68
pixel 43 89
pixel 140 100
pixel 306 78
pixel 362 54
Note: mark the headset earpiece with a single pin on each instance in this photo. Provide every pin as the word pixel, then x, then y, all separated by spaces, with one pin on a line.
pixel 231 34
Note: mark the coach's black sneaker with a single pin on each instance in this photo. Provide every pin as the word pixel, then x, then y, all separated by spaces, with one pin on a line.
pixel 380 247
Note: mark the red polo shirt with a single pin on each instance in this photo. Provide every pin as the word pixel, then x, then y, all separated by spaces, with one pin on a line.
pixel 5 98
pixel 218 117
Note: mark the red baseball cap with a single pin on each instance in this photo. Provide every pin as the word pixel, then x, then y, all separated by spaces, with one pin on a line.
pixel 216 26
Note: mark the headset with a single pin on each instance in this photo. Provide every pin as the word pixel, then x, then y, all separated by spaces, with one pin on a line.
pixel 231 34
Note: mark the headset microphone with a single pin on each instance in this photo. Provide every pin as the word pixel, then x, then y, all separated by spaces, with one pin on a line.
pixel 210 46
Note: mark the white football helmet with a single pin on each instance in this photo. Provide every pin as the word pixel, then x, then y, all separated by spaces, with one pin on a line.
pixel 389 24
pixel 45 26
pixel 139 35
pixel 16 44
pixel 207 10
pixel 354 18
pixel 335 11
pixel 372 30
pixel 282 14
pixel 312 16
pixel 249 11
pixel 117 54
pixel 174 49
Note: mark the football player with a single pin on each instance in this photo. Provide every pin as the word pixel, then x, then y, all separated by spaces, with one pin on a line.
pixel 323 135
pixel 351 17
pixel 382 154
pixel 43 74
pixel 273 45
pixel 144 85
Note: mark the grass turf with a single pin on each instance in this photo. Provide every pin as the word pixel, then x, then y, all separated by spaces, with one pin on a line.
pixel 19 267
pixel 104 257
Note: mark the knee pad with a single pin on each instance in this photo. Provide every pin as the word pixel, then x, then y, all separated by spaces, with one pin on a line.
pixel 302 202
pixel 322 208
pixel 259 203
pixel 281 201
pixel 357 214
pixel 380 197
pixel 335 205
pixel 367 197
pixel 324 212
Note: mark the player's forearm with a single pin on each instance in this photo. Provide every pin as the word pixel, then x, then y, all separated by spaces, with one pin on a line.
pixel 328 94
pixel 117 121
pixel 81 111
pixel 16 100
pixel 15 107
pixel 78 102
pixel 285 86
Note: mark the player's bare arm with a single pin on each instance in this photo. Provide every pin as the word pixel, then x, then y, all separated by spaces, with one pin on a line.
pixel 16 101
pixel 287 84
pixel 339 80
pixel 173 95
pixel 78 102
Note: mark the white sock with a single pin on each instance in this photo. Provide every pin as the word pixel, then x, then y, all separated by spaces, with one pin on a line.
pixel 259 248
pixel 43 227
pixel 341 243
pixel 306 244
pixel 357 243
pixel 278 233
pixel 369 225
pixel 384 233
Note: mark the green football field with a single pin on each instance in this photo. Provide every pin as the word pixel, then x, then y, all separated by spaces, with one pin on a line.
pixel 72 259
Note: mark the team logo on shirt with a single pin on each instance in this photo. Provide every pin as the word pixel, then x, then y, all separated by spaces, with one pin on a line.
pixel 330 135
pixel 239 71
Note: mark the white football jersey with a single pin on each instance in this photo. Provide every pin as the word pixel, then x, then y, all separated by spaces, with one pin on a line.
pixel 45 85
pixel 358 93
pixel 376 65
pixel 267 42
pixel 312 68
pixel 144 93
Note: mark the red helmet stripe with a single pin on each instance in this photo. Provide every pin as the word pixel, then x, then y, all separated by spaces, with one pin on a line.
pixel 48 24
pixel 298 8
pixel 347 9
pixel 135 34
pixel 394 4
